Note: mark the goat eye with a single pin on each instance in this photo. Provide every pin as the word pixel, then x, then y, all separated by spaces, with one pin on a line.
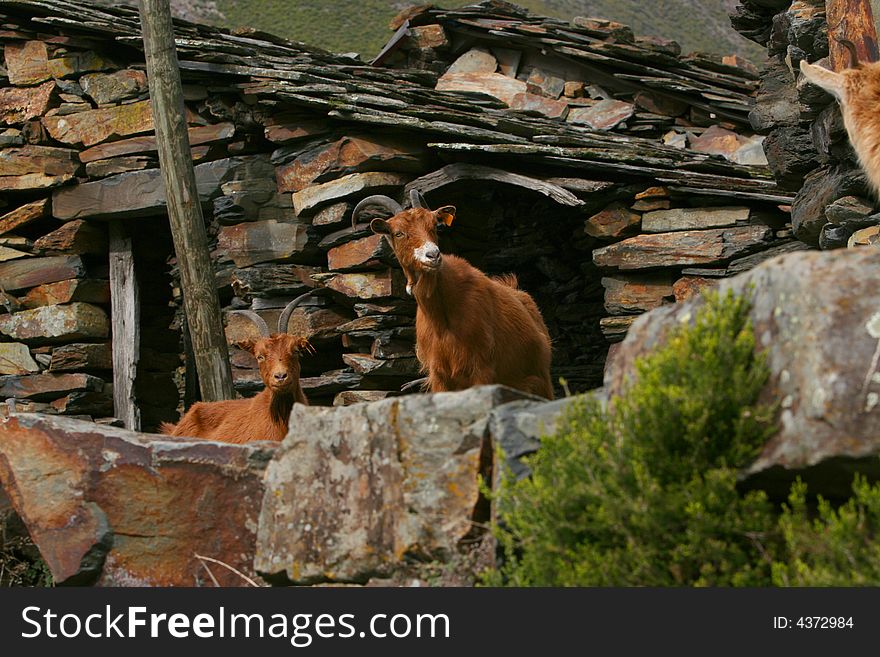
pixel 399 234
pixel 261 358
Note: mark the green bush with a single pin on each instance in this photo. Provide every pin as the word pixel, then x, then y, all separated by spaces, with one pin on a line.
pixel 643 493
pixel 828 546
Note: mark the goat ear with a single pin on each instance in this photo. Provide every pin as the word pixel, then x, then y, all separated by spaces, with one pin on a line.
pixel 380 227
pixel 445 215
pixel 830 81
pixel 248 345
pixel 302 345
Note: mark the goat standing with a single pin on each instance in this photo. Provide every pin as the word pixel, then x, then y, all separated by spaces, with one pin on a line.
pixel 265 416
pixel 471 329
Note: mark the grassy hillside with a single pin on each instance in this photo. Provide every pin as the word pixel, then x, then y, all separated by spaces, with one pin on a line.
pixel 362 25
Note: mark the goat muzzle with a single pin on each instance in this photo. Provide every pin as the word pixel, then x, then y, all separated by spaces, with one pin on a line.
pixel 378 200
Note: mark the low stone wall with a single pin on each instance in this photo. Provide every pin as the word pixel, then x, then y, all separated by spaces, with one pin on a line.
pixel 380 493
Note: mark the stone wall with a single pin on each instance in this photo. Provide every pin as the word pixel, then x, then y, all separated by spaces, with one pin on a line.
pixel 807 145
pixel 384 493
pixel 600 219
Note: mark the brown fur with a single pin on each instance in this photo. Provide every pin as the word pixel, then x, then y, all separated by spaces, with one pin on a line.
pixel 470 329
pixel 263 417
pixel 858 91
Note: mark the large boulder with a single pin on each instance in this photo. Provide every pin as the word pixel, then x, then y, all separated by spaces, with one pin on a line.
pixel 118 508
pixel 816 316
pixel 517 428
pixel 362 491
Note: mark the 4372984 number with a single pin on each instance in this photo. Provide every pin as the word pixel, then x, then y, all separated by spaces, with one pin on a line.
pixel 824 622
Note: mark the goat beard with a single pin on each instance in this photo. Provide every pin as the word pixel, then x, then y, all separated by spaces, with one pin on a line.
pixel 411 282
pixel 281 405
pixel 415 277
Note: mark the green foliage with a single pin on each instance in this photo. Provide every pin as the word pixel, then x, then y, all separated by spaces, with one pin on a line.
pixel 644 493
pixel 831 547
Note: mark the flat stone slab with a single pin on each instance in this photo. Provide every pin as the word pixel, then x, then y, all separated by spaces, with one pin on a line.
pixel 662 221
pixel 683 248
pixel 118 508
pixel 55 324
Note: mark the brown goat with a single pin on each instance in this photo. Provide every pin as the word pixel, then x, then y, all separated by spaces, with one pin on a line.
pixel 471 329
pixel 265 416
pixel 857 89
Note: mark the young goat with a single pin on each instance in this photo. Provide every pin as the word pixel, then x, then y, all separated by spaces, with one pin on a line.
pixel 265 416
pixel 471 329
pixel 857 89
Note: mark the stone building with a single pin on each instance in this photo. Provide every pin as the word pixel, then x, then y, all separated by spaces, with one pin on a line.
pixel 608 171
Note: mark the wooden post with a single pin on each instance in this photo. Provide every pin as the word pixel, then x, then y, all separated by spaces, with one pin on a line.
pixel 853 21
pixel 125 316
pixel 184 211
pixel 191 392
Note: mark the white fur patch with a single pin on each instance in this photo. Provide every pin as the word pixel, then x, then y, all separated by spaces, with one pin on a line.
pixel 421 252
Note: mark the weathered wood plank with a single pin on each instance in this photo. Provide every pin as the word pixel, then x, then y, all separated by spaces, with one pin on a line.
pixel 851 21
pixel 125 322
pixel 185 213
pixel 459 171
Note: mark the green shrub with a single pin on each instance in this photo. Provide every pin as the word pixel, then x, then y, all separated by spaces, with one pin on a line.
pixel 828 546
pixel 644 493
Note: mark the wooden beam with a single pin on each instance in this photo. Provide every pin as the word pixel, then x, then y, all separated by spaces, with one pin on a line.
pixel 184 211
pixel 191 392
pixel 461 171
pixel 125 315
pixel 851 21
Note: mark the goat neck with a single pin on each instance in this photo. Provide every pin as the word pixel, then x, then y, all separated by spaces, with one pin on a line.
pixel 431 290
pixel 281 403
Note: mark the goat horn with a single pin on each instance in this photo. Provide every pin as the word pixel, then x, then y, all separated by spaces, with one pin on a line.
pixel 851 49
pixel 379 200
pixel 288 311
pixel 258 321
pixel 416 199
